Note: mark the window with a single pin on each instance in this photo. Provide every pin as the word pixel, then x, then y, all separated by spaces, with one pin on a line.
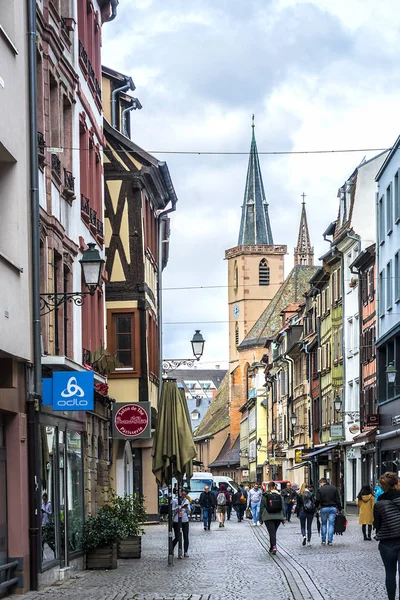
pixel 195 415
pixel 356 332
pixel 237 334
pixel 263 273
pixel 396 198
pixel 124 341
pixel 389 210
pixel 252 420
pixel 396 277
pixel 236 275
pixel 152 340
pixel 371 284
pixel 389 287
pixel 350 337
pixel 381 220
pixel 381 293
pixel 75 490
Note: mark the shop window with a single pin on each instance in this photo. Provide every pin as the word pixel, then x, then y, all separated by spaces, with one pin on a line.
pixel 75 490
pixel 48 476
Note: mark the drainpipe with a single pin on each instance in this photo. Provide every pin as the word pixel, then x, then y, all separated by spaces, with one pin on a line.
pixel 114 4
pixel 135 105
pixel 124 88
pixel 35 387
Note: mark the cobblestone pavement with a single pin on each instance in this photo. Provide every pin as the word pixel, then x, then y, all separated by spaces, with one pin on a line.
pixel 233 562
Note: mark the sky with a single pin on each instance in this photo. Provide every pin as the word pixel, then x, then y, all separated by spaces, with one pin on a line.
pixel 317 74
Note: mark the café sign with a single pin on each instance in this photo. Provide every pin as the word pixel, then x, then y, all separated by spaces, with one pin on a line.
pixel 131 420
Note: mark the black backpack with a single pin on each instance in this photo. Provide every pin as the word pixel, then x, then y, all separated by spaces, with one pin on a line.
pixel 308 503
pixel 274 503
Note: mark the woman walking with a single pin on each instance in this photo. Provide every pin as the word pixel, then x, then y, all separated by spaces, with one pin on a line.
pixel 306 511
pixel 272 513
pixel 365 503
pixel 387 525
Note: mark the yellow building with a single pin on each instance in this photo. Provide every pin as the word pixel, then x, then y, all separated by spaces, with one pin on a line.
pixel 138 190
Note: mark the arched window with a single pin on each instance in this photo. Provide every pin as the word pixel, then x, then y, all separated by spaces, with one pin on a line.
pixel 263 273
pixel 236 275
pixel 237 335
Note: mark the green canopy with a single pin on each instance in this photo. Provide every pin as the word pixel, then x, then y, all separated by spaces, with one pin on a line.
pixel 173 445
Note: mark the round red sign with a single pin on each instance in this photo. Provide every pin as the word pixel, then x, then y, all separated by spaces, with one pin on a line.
pixel 131 420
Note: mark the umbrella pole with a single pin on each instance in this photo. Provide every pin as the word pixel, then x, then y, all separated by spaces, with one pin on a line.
pixel 170 528
pixel 179 517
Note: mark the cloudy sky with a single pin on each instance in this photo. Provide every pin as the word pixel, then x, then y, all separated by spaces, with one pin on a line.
pixel 317 74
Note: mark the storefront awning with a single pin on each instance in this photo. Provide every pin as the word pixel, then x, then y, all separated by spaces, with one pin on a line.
pixel 305 463
pixel 365 436
pixel 388 435
pixel 62 363
pixel 323 450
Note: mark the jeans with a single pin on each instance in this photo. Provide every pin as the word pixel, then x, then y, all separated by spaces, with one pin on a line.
pixel 255 509
pixel 390 554
pixel 328 516
pixel 288 511
pixel 306 519
pixel 207 516
pixel 185 533
pixel 272 527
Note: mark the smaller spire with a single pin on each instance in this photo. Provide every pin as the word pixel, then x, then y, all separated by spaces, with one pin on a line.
pixel 304 252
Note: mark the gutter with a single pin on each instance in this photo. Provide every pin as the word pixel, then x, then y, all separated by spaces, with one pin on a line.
pixel 387 436
pixel 114 4
pixel 129 85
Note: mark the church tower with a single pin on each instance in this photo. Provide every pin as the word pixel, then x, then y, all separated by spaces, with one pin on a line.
pixel 256 264
pixel 304 252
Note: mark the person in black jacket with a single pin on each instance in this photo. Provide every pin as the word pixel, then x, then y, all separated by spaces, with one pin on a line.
pixel 387 525
pixel 328 500
pixel 305 510
pixel 207 502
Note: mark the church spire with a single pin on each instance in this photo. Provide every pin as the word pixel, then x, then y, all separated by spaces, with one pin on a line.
pixel 304 252
pixel 255 227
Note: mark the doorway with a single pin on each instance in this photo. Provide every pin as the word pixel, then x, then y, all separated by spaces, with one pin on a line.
pixel 3 500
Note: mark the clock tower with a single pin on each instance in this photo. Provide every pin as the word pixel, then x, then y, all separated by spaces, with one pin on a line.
pixel 256 264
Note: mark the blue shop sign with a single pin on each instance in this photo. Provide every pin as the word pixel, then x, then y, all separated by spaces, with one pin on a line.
pixel 73 390
pixel 47 391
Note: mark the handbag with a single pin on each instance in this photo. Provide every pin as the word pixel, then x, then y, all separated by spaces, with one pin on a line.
pixel 249 514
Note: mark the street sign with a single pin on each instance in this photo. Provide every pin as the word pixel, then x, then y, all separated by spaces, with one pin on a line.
pixel 372 420
pixel 131 420
pixel 336 431
pixel 73 390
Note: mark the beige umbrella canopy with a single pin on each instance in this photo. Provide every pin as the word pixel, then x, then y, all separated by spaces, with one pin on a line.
pixel 173 447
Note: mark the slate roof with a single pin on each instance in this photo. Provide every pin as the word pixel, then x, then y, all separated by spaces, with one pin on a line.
pixel 217 415
pixel 255 227
pixel 228 455
pixel 291 291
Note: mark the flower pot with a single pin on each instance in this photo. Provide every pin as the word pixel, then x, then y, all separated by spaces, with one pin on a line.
pixel 103 557
pixel 131 547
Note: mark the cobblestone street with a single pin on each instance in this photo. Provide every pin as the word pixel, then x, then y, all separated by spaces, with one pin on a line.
pixel 233 562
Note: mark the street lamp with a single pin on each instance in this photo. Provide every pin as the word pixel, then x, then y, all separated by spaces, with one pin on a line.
pixel 170 364
pixel 273 436
pixel 391 372
pixel 353 414
pixel 92 268
pixel 293 420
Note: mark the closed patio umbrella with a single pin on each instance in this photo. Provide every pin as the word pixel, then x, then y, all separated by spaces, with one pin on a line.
pixel 173 446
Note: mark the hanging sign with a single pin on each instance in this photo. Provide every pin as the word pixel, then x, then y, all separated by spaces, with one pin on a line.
pixel 354 428
pixel 73 390
pixel 298 456
pixel 131 420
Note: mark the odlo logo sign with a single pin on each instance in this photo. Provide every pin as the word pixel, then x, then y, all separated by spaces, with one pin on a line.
pixel 73 392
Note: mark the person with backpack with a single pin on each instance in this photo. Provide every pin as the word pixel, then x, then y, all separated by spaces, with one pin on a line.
pixel 207 502
pixel 305 511
pixel 365 503
pixel 239 503
pixel 223 499
pixel 253 502
pixel 272 513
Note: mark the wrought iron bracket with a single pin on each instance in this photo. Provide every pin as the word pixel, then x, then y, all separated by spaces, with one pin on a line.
pixel 50 302
pixel 173 363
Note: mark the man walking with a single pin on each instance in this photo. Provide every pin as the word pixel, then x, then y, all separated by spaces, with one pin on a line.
pixel 253 501
pixel 207 502
pixel 289 496
pixel 328 500
pixel 223 499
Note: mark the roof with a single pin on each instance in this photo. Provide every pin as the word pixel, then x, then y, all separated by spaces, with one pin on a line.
pixel 291 291
pixel 217 415
pixel 255 227
pixel 303 250
pixel 389 157
pixel 228 455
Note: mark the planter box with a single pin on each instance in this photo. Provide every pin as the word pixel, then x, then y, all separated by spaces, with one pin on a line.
pixel 104 557
pixel 130 548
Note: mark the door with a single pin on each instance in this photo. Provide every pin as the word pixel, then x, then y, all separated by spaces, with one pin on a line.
pixel 3 500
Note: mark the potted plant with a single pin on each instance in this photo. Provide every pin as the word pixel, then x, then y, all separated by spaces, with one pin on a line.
pixel 101 533
pixel 132 513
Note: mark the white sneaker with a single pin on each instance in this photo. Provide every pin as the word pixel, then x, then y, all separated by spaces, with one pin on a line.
pixel 308 543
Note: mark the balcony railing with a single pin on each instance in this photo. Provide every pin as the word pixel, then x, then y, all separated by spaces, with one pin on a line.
pixel 83 54
pixel 56 165
pixel 100 228
pixel 69 180
pixel 85 205
pixel 88 65
pixel 93 217
pixel 41 142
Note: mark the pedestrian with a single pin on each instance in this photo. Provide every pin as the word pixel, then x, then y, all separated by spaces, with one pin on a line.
pixel 207 502
pixel 223 498
pixel 305 511
pixel 182 511
pixel 272 513
pixel 387 525
pixel 365 503
pixel 229 506
pixel 239 501
pixel 378 491
pixel 253 502
pixel 46 510
pixel 328 500
pixel 289 496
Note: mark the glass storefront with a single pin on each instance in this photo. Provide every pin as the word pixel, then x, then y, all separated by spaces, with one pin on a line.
pixel 61 493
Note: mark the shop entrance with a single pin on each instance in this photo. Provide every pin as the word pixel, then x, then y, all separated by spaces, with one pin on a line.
pixel 3 501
